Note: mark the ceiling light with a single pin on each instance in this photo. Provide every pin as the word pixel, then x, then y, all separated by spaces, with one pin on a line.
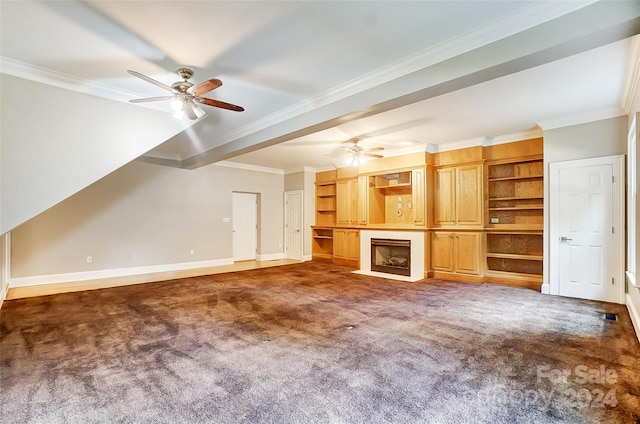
pixel 199 111
pixel 179 114
pixel 177 104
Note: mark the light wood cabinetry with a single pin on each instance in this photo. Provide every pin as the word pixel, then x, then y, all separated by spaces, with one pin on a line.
pixel 458 196
pixel 346 247
pixel 516 194
pixel 347 201
pixel 419 196
pixel 322 243
pixel 326 198
pixel 455 252
pixel 515 220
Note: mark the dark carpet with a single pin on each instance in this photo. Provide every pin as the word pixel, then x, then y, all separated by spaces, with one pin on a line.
pixel 314 343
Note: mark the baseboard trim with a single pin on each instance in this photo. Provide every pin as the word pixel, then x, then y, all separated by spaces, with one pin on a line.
pixel 306 258
pixel 634 314
pixel 545 289
pixel 3 294
pixel 113 273
pixel 270 257
pixel 43 285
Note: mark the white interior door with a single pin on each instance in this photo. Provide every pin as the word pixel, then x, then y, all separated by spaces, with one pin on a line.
pixel 245 226
pixel 583 231
pixel 293 225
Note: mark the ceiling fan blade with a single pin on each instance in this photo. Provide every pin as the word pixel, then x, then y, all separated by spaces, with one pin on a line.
pixel 188 109
pixel 374 149
pixel 371 155
pixel 151 80
pixel 204 87
pixel 152 99
pixel 218 103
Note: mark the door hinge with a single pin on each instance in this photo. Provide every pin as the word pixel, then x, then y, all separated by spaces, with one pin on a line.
pixel 613 179
pixel 613 230
pixel 613 280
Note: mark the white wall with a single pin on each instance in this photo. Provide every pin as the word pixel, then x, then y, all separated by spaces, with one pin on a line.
pixel 50 149
pixel 633 293
pixel 144 215
pixel 591 140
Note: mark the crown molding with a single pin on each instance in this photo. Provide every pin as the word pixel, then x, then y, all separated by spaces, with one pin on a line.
pixel 584 118
pixel 300 169
pixel 632 76
pixel 46 76
pixel 498 29
pixel 511 138
pixel 248 167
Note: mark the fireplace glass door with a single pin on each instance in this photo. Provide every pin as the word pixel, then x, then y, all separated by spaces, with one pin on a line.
pixel 391 256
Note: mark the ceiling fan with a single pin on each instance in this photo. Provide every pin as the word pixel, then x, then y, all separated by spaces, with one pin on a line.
pixel 187 95
pixel 358 154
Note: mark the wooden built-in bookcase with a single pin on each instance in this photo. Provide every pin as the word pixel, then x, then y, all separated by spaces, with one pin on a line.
pixel 326 198
pixel 515 211
pixel 322 243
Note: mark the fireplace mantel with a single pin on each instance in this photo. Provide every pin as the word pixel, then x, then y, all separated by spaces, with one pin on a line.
pixel 417 253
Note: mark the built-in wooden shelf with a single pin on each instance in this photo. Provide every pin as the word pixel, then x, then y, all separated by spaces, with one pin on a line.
pixel 517 208
pixel 514 256
pixel 516 195
pixel 524 177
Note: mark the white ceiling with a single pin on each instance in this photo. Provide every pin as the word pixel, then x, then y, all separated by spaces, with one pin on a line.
pixel 403 75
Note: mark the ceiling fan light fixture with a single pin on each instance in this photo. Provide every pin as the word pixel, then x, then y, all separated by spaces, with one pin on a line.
pixel 179 114
pixel 199 111
pixel 177 104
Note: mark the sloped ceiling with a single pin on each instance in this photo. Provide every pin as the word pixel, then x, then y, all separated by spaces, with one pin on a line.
pixel 403 75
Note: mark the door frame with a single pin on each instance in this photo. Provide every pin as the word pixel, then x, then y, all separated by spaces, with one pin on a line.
pixel 618 221
pixel 286 219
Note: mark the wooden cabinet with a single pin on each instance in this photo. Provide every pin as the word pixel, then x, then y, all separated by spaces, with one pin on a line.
pixel 515 221
pixel 456 252
pixel 458 196
pixel 322 243
pixel 362 201
pixel 418 196
pixel 347 201
pixel 346 247
pixel 516 194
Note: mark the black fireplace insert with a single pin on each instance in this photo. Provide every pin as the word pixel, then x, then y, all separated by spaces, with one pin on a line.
pixel 391 256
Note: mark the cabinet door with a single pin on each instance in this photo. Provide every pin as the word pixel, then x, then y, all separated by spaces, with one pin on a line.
pixel 418 196
pixel 442 251
pixel 362 214
pixel 468 195
pixel 343 203
pixel 467 255
pixel 353 245
pixel 339 244
pixel 445 197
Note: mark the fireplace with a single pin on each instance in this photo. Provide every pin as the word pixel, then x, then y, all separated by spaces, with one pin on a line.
pixel 391 256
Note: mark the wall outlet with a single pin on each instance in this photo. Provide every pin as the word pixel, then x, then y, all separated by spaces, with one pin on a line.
pixel 89 259
pixel 495 220
pixel 280 245
pixel 226 219
pixel 192 252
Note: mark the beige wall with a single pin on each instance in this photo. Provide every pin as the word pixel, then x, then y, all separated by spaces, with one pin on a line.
pixel 591 140
pixel 145 214
pixel 48 153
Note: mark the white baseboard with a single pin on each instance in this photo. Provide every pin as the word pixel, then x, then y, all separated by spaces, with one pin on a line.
pixel 635 315
pixel 545 289
pixel 306 258
pixel 112 273
pixel 270 257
